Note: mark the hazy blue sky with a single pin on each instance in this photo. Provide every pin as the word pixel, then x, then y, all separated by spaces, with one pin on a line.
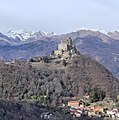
pixel 60 16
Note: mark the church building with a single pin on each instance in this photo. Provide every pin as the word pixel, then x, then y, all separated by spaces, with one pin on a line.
pixel 66 50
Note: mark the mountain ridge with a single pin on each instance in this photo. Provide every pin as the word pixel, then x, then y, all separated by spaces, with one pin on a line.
pixel 18 37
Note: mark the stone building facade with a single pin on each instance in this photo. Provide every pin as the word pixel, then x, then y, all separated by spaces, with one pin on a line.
pixel 65 50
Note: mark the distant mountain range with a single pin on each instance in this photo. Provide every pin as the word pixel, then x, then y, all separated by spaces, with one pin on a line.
pixel 14 38
pixel 98 44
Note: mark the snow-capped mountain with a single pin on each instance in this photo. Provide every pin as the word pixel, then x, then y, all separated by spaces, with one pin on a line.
pixel 5 40
pixel 114 35
pixel 18 37
pixel 24 35
pixel 95 30
pixel 14 38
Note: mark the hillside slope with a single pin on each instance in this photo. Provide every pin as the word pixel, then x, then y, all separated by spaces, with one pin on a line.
pixel 21 81
pixel 12 110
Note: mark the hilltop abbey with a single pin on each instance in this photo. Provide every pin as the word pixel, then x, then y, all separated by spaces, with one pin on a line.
pixel 66 50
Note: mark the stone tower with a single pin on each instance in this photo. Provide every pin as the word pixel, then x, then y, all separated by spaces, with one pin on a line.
pixel 65 45
pixel 65 49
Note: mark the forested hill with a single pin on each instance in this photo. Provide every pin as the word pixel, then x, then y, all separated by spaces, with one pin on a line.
pixel 11 110
pixel 50 84
pixel 22 81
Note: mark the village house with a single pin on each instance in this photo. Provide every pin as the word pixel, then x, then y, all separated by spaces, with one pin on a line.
pixel 73 104
pixel 77 112
pixel 91 113
pixel 110 113
pixel 99 109
pixel 96 109
pixel 113 113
